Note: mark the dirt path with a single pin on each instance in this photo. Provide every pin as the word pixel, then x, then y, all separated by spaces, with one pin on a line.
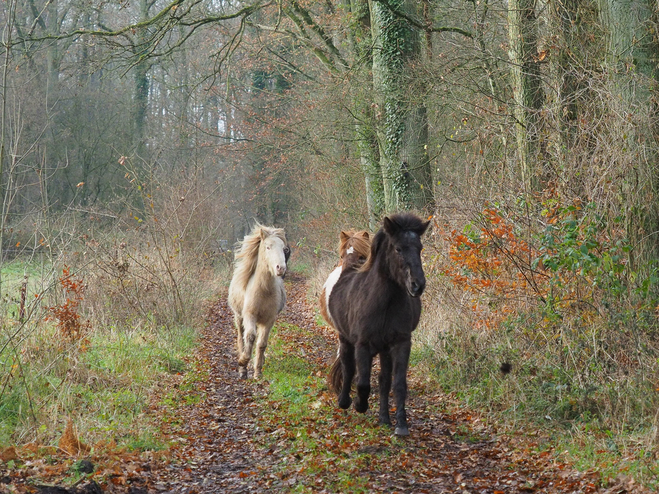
pixel 222 438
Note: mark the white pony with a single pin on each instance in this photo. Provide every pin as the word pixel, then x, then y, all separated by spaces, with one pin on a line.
pixel 256 292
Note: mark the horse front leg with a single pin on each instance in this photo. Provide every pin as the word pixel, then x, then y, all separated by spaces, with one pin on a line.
pixel 364 360
pixel 238 321
pixel 401 357
pixel 385 386
pixel 261 345
pixel 347 356
pixel 249 335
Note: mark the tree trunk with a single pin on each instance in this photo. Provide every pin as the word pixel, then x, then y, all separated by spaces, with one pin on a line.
pixel 564 31
pixel 360 41
pixel 141 98
pixel 527 91
pixel 370 161
pixel 402 128
pixel 52 53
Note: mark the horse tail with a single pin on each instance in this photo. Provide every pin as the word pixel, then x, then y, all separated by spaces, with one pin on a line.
pixel 335 377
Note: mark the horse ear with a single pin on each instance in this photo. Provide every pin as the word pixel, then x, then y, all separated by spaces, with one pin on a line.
pixel 389 226
pixel 365 235
pixel 344 236
pixel 424 227
pixel 263 233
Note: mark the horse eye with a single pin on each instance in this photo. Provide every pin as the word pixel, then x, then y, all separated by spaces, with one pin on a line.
pixel 268 247
pixel 399 250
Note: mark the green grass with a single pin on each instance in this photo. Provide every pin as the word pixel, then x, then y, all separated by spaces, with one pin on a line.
pixel 304 424
pixel 104 384
pixel 103 381
pixel 13 273
pixel 540 397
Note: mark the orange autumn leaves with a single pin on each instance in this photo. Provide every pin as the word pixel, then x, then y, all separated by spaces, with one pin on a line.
pixel 68 317
pixel 507 263
pixel 492 266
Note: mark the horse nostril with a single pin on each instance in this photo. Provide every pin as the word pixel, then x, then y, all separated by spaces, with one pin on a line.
pixel 416 288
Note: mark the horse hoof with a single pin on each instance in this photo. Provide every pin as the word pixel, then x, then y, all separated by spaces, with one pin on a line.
pixel 386 422
pixel 345 403
pixel 242 373
pixel 361 407
pixel 402 431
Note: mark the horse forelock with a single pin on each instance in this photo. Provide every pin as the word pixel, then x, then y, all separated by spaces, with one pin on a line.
pixel 358 240
pixel 409 222
pixel 399 225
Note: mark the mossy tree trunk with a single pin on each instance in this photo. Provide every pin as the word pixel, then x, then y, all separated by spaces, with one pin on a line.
pixel 402 122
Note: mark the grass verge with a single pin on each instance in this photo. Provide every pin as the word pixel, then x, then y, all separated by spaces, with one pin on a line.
pixel 318 443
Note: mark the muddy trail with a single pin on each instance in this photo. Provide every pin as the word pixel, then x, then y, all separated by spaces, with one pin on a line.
pixel 235 438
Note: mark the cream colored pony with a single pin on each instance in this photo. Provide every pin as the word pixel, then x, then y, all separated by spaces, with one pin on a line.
pixel 256 292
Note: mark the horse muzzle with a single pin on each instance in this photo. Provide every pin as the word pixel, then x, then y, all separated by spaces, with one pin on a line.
pixel 280 270
pixel 416 288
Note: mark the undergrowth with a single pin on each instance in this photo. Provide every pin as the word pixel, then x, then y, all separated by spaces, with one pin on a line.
pixel 548 325
pixel 78 356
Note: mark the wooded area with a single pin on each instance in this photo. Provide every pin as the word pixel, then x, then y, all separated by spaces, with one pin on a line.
pixel 139 139
pixel 286 111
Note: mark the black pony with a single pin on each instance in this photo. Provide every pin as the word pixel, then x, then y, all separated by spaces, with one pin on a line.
pixel 376 307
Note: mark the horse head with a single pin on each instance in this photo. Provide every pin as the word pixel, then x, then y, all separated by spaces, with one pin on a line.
pixel 273 251
pixel 354 248
pixel 403 234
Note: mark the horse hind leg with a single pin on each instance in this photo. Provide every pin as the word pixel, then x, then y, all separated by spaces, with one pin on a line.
pixel 240 331
pixel 401 358
pixel 238 320
pixel 261 345
pixel 363 360
pixel 347 355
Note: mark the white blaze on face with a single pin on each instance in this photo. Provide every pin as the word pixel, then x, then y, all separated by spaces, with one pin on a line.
pixel 350 250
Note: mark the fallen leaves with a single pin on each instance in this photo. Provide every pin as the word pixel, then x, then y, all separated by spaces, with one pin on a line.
pixel 8 454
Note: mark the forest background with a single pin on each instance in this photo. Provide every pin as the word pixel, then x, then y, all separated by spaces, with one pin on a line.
pixel 139 139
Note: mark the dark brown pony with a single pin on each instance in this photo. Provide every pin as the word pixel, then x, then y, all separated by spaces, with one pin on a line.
pixel 354 249
pixel 375 308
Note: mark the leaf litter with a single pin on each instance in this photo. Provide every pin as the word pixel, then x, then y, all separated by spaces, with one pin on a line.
pixel 237 438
